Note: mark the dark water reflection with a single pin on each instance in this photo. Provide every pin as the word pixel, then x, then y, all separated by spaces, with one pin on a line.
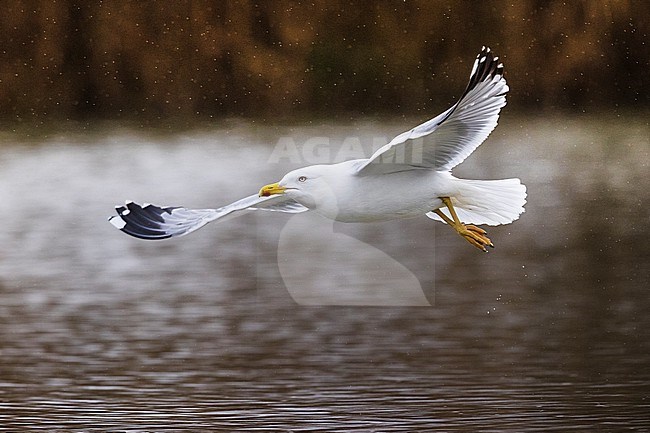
pixel 100 332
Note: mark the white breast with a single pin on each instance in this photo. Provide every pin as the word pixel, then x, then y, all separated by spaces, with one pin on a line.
pixel 351 198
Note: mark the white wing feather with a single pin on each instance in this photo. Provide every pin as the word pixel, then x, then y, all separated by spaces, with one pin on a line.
pixel 446 140
pixel 154 222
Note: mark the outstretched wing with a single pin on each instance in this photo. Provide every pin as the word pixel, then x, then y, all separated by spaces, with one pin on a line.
pixel 153 222
pixel 446 140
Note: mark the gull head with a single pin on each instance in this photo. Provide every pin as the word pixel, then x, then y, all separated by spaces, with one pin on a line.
pixel 306 185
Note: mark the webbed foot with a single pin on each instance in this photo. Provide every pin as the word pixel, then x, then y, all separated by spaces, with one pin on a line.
pixel 472 234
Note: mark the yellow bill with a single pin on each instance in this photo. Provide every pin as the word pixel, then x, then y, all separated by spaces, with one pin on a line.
pixel 271 189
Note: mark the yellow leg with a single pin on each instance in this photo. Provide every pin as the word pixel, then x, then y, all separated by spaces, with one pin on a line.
pixel 472 234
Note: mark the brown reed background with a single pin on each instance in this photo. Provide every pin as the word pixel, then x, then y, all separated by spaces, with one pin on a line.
pixel 68 59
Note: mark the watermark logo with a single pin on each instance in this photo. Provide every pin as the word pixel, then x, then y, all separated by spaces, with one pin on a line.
pixel 326 150
pixel 320 266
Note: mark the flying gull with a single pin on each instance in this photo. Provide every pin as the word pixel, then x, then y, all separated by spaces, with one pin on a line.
pixel 408 177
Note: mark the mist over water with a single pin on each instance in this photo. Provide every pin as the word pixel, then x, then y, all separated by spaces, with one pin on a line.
pixel 295 323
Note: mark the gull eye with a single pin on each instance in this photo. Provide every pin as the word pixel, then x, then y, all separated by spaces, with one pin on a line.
pixel 302 178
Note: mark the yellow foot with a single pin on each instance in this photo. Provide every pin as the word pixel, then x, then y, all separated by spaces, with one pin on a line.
pixel 475 236
pixel 472 234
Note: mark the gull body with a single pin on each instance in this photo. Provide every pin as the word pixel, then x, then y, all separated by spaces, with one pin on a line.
pixel 407 177
pixel 336 192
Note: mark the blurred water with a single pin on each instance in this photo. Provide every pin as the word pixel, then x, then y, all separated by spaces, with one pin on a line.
pixel 102 332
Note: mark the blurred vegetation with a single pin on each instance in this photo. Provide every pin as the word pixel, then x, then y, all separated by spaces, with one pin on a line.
pixel 69 59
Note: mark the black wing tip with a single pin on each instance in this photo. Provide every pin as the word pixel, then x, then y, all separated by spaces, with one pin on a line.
pixel 487 65
pixel 143 222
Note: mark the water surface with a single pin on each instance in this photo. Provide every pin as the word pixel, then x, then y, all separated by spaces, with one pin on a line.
pixel 102 332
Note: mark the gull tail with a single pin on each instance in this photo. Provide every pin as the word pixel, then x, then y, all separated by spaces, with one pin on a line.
pixel 491 202
pixel 153 222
